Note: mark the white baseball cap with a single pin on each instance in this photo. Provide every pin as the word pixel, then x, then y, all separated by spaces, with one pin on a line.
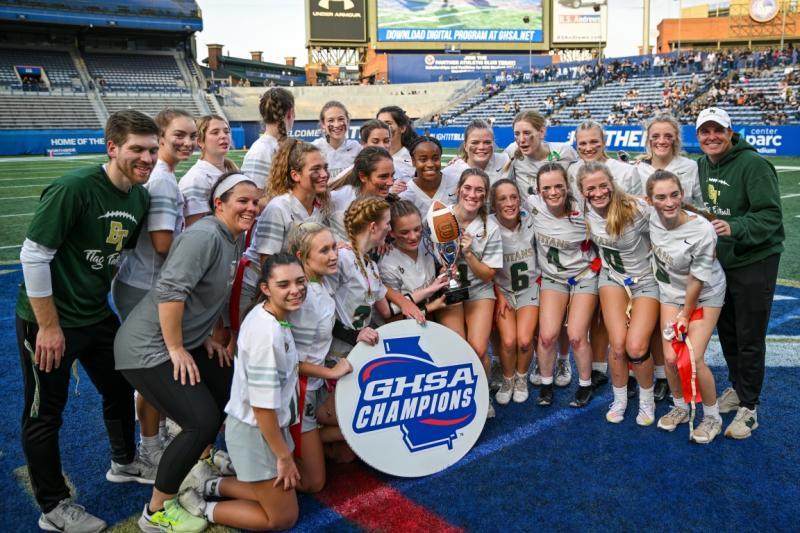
pixel 713 114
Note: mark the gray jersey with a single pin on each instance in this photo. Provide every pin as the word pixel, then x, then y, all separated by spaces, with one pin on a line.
pixel 520 268
pixel 523 169
pixel 403 167
pixel 196 187
pixel 399 271
pixel 446 193
pixel 340 201
pixel 354 293
pixel 487 246
pixel 561 242
pixel 625 176
pixel 686 170
pixel 629 254
pixel 312 327
pixel 688 249
pixel 495 169
pixel 258 160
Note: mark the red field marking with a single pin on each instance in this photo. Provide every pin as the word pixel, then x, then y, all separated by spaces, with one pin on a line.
pixel 357 495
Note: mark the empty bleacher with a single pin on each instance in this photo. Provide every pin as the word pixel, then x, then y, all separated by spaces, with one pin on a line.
pixel 58 67
pixel 135 72
pixel 151 104
pixel 31 111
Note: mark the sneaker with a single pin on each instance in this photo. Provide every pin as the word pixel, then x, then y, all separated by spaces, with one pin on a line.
pixel 220 460
pixel 496 380
pixel 152 455
pixel 599 378
pixel 647 413
pixel 743 425
pixel 661 389
pixel 490 412
pixel 728 401
pixel 563 373
pixel 675 417
pixel 632 387
pixel 503 396
pixel 582 397
pixel 535 377
pixel 172 518
pixel 707 430
pixel 70 517
pixel 193 502
pixel 140 470
pixel 545 396
pixel 616 412
pixel 197 476
pixel 520 390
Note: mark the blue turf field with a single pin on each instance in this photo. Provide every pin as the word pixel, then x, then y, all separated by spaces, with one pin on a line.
pixel 556 469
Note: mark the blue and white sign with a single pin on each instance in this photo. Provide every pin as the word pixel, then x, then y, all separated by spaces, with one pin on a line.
pixel 416 402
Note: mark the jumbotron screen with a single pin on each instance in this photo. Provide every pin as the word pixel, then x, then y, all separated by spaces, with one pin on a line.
pixel 460 21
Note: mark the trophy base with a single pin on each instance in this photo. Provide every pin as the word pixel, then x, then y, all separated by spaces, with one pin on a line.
pixel 454 296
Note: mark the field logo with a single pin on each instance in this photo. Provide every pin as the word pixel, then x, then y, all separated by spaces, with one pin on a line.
pixel 407 389
pixel 416 402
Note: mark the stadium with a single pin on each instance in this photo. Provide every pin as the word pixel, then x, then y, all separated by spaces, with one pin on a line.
pixel 66 67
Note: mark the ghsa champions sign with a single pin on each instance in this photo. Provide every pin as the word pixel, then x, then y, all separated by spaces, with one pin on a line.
pixel 416 402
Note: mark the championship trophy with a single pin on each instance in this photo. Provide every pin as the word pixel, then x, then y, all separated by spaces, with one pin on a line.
pixel 445 233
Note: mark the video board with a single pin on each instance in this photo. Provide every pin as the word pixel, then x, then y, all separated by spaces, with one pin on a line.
pixel 336 22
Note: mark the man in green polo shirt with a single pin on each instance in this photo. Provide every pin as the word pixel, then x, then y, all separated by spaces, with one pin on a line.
pixel 83 222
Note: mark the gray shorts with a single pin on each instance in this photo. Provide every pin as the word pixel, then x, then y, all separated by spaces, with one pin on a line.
pixel 125 297
pixel 584 286
pixel 481 291
pixel 314 399
pixel 250 454
pixel 646 287
pixel 524 298
pixel 706 300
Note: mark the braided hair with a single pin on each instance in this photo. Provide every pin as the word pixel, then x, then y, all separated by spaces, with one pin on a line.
pixel 357 218
pixel 274 105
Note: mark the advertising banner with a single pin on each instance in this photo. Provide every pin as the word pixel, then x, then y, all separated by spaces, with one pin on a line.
pixel 419 68
pixel 337 21
pixel 578 24
pixel 416 402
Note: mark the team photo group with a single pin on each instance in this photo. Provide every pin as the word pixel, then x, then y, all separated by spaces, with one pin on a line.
pixel 221 307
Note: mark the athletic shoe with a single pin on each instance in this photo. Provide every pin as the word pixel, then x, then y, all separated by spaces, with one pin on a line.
pixel 535 377
pixel 172 518
pixel 661 389
pixel 520 390
pixel 151 456
pixel 545 396
pixel 582 397
pixel 743 425
pixel 496 380
pixel 503 396
pixel 599 378
pixel 139 470
pixel 632 387
pixel 728 401
pixel 197 476
pixel 193 502
pixel 490 412
pixel 647 413
pixel 70 517
pixel 220 460
pixel 616 412
pixel 563 373
pixel 707 430
pixel 675 417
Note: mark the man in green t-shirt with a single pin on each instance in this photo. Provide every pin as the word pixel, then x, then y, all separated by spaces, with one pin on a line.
pixel 83 222
pixel 740 188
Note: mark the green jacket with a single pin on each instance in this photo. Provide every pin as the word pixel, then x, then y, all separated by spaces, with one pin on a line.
pixel 742 189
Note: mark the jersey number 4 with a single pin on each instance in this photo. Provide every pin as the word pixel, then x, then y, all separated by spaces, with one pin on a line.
pixel 554 259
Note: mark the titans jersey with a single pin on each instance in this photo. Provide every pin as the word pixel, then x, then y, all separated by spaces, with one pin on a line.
pixel 446 193
pixel 487 245
pixel 340 201
pixel 340 158
pixel 523 169
pixel 520 268
pixel 625 176
pixel 687 173
pixel 629 254
pixel 312 327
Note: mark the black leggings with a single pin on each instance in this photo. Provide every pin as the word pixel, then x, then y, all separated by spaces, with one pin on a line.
pixel 197 409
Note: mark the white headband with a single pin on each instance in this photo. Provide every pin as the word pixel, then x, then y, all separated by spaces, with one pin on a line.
pixel 229 183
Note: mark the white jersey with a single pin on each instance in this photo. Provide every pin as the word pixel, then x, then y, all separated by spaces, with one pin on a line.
pixel 312 327
pixel 340 201
pixel 264 370
pixel 561 245
pixel 520 268
pixel 271 230
pixel 340 158
pixel 629 254
pixel 495 169
pixel 686 170
pixel 523 169
pixel 355 294
pixel 625 176
pixel 446 193
pixel 404 274
pixel 403 167
pixel 688 249
pixel 487 246
pixel 258 160
pixel 196 187
pixel 141 265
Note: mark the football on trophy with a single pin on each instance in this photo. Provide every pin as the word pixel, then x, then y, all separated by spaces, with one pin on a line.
pixel 442 222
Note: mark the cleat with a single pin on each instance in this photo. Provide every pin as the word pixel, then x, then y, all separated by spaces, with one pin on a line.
pixel 675 417
pixel 545 396
pixel 582 397
pixel 661 389
pixel 598 379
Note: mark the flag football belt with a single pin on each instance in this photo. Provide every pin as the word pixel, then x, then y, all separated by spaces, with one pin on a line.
pixel 626 283
pixel 687 366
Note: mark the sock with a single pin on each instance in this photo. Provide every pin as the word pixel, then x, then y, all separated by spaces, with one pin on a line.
pixel 620 395
pixel 547 380
pixel 602 367
pixel 148 512
pixel 585 382
pixel 711 410
pixel 563 356
pixel 680 402
pixel 151 443
pixel 211 488
pixel 520 376
pixel 646 395
pixel 209 512
pixel 659 372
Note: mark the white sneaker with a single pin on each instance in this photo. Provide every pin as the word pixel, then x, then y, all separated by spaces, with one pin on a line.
pixel 728 401
pixel 563 373
pixel 71 517
pixel 503 396
pixel 197 476
pixel 707 430
pixel 616 412
pixel 140 470
pixel 535 377
pixel 647 413
pixel 675 417
pixel 520 389
pixel 743 425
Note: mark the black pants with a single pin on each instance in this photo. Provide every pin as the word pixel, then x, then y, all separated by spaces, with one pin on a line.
pixel 46 395
pixel 743 325
pixel 198 410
